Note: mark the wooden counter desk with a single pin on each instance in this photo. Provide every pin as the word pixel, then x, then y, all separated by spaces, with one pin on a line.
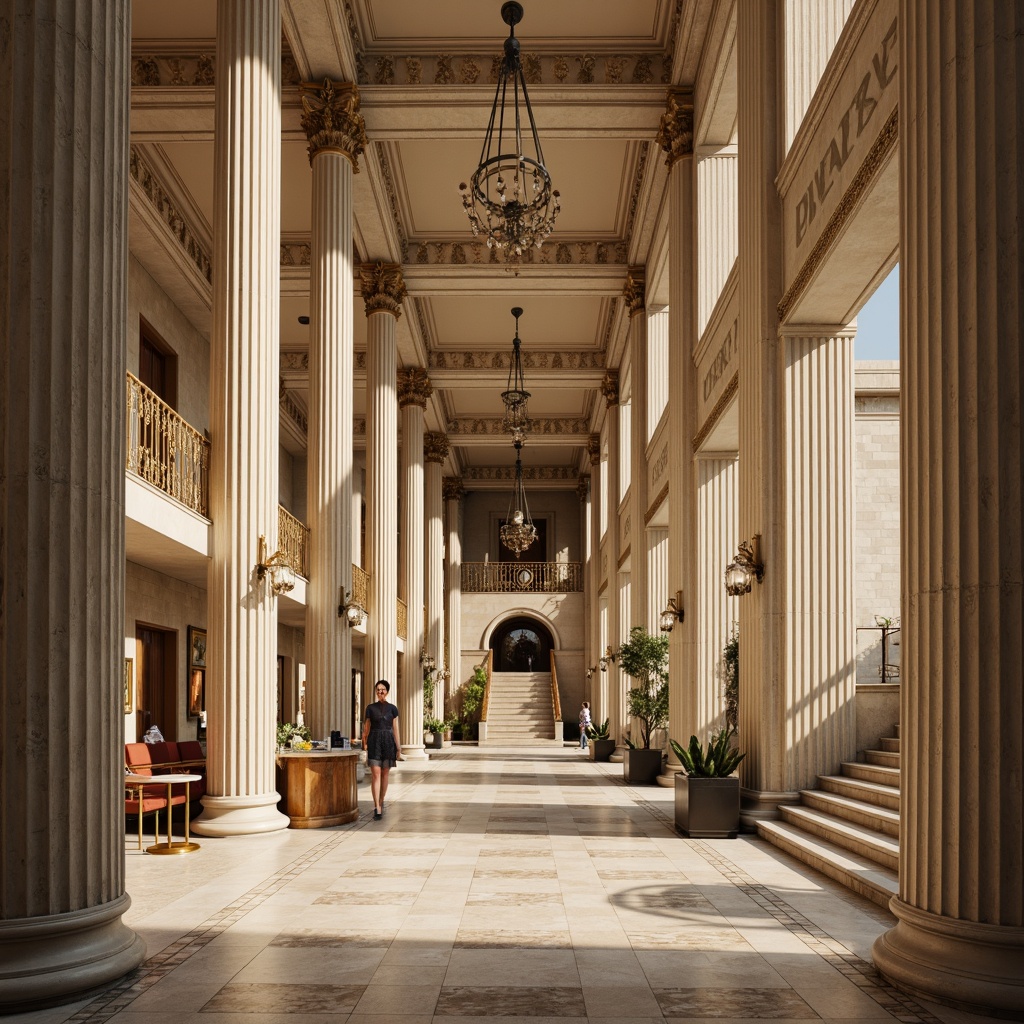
pixel 318 788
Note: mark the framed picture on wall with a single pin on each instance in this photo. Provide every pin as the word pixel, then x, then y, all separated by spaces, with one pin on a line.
pixel 196 696
pixel 196 647
pixel 129 685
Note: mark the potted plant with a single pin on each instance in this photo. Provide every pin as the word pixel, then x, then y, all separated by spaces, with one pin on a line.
pixel 600 745
pixel 644 657
pixel 707 790
pixel 434 729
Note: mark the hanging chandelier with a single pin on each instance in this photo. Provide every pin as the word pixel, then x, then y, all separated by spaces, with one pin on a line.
pixel 518 532
pixel 509 198
pixel 515 396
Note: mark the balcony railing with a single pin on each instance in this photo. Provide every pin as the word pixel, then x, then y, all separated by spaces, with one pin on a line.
pixel 360 586
pixel 293 540
pixel 164 450
pixel 403 620
pixel 522 577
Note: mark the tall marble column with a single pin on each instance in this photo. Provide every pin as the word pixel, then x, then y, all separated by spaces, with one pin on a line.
pixel 717 215
pixel 383 291
pixel 960 908
pixel 337 136
pixel 614 679
pixel 634 294
pixel 414 388
pixel 598 687
pixel 675 136
pixel 435 451
pixel 586 565
pixel 452 490
pixel 64 207
pixel 241 675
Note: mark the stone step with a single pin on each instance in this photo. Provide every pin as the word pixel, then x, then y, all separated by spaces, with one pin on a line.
pixel 880 819
pixel 890 743
pixel 882 794
pixel 889 758
pixel 858 839
pixel 872 773
pixel 858 873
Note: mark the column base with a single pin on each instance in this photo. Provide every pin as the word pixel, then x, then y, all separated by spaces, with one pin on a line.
pixel 415 752
pixel 973 966
pixel 57 959
pixel 763 805
pixel 618 754
pixel 239 815
pixel 667 778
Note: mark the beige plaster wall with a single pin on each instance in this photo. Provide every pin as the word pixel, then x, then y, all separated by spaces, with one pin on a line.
pixel 484 509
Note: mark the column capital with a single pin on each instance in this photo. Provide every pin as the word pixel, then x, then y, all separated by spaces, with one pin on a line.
pixel 331 119
pixel 594 449
pixel 383 287
pixel 635 291
pixel 414 387
pixel 452 489
pixel 610 388
pixel 583 487
pixel 675 133
pixel 435 446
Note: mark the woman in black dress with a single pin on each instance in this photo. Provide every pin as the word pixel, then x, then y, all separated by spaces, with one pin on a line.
pixel 381 743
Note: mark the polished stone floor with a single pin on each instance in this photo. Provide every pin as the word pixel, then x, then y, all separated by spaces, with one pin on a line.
pixel 526 883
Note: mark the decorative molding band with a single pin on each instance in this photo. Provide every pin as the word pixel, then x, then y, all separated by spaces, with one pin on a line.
pixel 457 254
pixel 656 504
pixel 502 360
pixel 414 387
pixel 296 362
pixel 724 399
pixel 383 288
pixel 879 152
pixel 675 133
pixel 389 187
pixel 613 306
pixel 435 446
pixel 190 68
pixel 638 181
pixel 331 119
pixel 452 489
pixel 623 558
pixel 529 473
pixel 296 254
pixel 538 427
pixel 294 413
pixel 160 200
pixel 886 406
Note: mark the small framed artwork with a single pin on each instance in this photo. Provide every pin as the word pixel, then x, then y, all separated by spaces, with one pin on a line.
pixel 129 685
pixel 196 692
pixel 196 647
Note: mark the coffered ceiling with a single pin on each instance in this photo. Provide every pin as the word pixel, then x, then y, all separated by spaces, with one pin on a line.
pixel 598 71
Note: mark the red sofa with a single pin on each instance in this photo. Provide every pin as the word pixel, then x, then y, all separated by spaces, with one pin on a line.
pixel 165 758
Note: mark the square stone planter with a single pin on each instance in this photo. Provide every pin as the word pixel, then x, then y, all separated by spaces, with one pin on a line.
pixel 600 750
pixel 641 766
pixel 708 808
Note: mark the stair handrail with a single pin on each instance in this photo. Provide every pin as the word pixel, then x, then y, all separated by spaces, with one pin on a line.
pixel 487 686
pixel 556 703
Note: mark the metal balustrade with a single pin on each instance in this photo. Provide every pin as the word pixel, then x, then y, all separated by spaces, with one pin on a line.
pixel 293 540
pixel 522 577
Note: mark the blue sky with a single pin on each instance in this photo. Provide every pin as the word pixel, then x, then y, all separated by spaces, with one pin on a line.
pixel 878 323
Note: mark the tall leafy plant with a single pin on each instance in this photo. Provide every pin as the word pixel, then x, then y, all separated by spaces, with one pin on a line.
pixel 717 761
pixel 731 659
pixel 644 657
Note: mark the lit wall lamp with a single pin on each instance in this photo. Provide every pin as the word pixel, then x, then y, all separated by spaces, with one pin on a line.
pixel 352 611
pixel 672 614
pixel 746 567
pixel 282 575
pixel 591 671
pixel 609 656
pixel 427 662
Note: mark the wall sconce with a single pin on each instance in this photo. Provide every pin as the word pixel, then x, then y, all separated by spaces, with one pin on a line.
pixel 591 671
pixel 672 614
pixel 351 610
pixel 427 662
pixel 609 656
pixel 746 567
pixel 282 575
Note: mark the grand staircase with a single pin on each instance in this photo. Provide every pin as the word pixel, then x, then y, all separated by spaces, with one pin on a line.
pixel 848 828
pixel 519 709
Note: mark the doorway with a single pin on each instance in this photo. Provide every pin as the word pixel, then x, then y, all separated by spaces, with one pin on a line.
pixel 522 644
pixel 156 662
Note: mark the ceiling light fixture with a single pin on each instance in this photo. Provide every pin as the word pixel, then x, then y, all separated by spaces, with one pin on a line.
pixel 515 396
pixel 518 531
pixel 509 198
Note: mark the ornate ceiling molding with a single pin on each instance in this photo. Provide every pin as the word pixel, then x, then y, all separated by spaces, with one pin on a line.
pixel 455 253
pixel 502 360
pixel 638 182
pixel 185 68
pixel 389 187
pixel 539 427
pixel 529 473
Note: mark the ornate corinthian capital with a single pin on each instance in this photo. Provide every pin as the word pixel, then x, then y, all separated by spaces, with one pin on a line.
pixel 583 487
pixel 594 449
pixel 675 134
pixel 634 292
pixel 414 387
pixel 452 489
pixel 610 388
pixel 383 288
pixel 435 446
pixel 331 119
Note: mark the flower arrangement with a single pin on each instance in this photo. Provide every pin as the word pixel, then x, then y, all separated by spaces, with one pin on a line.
pixel 287 733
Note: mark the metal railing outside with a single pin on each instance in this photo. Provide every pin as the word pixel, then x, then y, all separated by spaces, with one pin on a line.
pixel 556 703
pixel 164 450
pixel 403 620
pixel 487 687
pixel 522 577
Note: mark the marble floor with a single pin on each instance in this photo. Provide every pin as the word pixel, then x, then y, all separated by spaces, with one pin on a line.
pixel 520 883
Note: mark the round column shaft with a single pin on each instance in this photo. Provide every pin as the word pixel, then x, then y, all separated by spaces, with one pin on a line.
pixel 435 451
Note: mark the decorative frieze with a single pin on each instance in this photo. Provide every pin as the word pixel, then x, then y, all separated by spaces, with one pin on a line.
pixel 675 133
pixel 638 180
pixel 295 254
pixel 389 187
pixel 292 411
pixel 168 211
pixel 457 253
pixel 538 427
pixel 452 489
pixel 414 387
pixel 634 291
pixel 189 68
pixel 383 288
pixel 435 446
pixel 500 473
pixel 331 119
pixel 531 360
pixel 610 388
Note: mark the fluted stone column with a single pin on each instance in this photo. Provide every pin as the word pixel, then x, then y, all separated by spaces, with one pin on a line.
pixel 598 680
pixel 634 294
pixel 453 493
pixel 586 564
pixel 675 136
pixel 64 207
pixel 241 679
pixel 337 136
pixel 614 679
pixel 717 483
pixel 960 908
pixel 717 215
pixel 383 290
pixel 435 451
pixel 414 388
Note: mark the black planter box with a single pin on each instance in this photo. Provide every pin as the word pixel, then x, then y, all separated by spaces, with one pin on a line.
pixel 600 750
pixel 640 765
pixel 708 808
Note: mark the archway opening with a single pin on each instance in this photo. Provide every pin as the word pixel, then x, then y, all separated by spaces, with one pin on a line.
pixel 522 644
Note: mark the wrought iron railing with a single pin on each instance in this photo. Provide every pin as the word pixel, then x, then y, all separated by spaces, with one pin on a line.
pixel 360 586
pixel 293 540
pixel 522 577
pixel 403 620
pixel 164 450
pixel 556 703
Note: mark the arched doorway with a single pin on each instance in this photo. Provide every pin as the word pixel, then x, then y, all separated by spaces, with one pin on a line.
pixel 522 644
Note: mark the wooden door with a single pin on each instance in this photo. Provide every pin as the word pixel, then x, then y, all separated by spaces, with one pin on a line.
pixel 156 664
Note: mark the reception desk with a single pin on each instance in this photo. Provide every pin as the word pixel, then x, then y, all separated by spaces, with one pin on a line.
pixel 318 788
